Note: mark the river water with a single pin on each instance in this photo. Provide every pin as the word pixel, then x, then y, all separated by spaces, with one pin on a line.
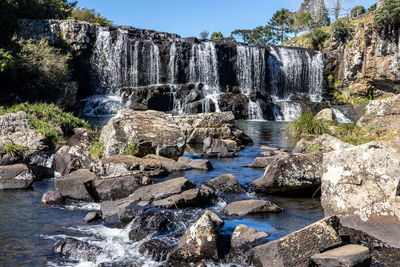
pixel 28 230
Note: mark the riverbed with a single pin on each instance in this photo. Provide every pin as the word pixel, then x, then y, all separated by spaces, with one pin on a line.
pixel 28 230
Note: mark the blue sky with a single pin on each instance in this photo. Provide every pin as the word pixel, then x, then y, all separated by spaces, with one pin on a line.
pixel 190 17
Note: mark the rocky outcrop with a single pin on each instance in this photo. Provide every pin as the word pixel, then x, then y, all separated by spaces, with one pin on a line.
pixel 361 185
pixel 252 206
pixel 17 176
pixel 291 174
pixel 199 241
pixel 218 125
pixel 146 132
pixel 296 248
pixel 77 250
pixel 323 143
pixel 382 113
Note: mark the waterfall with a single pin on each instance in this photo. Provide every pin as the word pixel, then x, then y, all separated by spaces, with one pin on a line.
pixel 340 117
pixel 286 110
pixel 250 73
pixel 203 68
pixel 295 71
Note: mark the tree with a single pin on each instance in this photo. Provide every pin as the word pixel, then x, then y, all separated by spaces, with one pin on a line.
pixel 302 22
pixel 318 12
pixel 338 8
pixel 204 35
pixel 90 15
pixel 280 25
pixel 260 35
pixel 388 15
pixel 242 34
pixel 357 11
pixel 218 36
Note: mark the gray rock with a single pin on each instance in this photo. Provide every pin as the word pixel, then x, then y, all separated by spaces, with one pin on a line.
pixel 17 176
pixel 157 249
pixel 291 174
pixel 74 185
pixel 297 248
pixel 349 256
pixel 326 114
pixel 261 162
pixel 52 198
pixel 324 143
pixel 199 241
pixel 226 183
pixel 147 221
pixel 361 186
pixel 243 235
pixel 76 249
pixel 144 127
pixel 92 216
pixel 197 164
pixel 251 206
pixel 116 187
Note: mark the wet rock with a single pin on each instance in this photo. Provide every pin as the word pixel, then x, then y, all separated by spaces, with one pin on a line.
pixel 189 198
pixel 76 249
pixel 349 255
pixel 92 216
pixel 158 97
pixel 251 206
pixel 326 115
pixel 226 183
pixel 297 248
pixel 52 198
pixel 261 162
pixel 74 185
pixel 218 148
pixel 144 127
pixel 156 249
pixel 291 174
pixel 163 189
pixel 323 143
pixel 218 125
pixel 169 164
pixel 360 185
pixel 197 164
pixel 8 159
pixel 199 241
pixel 149 222
pixel 17 176
pixel 117 187
pixel 124 165
pixel 245 236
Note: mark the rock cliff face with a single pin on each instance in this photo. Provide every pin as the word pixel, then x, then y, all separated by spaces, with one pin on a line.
pixel 368 60
pixel 130 67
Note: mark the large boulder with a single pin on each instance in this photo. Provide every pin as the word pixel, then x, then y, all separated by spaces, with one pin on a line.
pixel 361 186
pixel 116 187
pixel 76 185
pixel 226 183
pixel 326 115
pixel 17 176
pixel 153 132
pixel 218 125
pixel 382 113
pixel 17 129
pixel 199 241
pixel 51 197
pixel 296 248
pixel 245 236
pixel 323 143
pixel 221 148
pixel 251 206
pixel 156 249
pixel 291 174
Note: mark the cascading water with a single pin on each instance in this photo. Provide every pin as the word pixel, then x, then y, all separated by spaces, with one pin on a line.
pixel 203 68
pixel 250 73
pixel 292 72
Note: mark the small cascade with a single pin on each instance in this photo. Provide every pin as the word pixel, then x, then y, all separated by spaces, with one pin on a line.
pixel 174 57
pixel 203 68
pixel 287 110
pixel 340 117
pixel 255 111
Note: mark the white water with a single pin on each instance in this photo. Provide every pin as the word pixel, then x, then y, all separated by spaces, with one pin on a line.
pixel 289 110
pixel 255 112
pixel 340 117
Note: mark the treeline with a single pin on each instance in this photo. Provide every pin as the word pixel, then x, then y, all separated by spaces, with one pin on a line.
pixel 310 18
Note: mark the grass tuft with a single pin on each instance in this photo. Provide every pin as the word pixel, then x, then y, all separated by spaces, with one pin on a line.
pixel 307 124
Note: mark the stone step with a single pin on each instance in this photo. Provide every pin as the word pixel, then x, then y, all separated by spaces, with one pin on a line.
pixel 345 256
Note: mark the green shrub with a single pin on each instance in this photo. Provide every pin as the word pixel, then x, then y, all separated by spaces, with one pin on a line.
pixel 6 60
pixel 357 11
pixel 353 134
pixel 307 124
pixel 318 37
pixel 96 150
pixel 388 15
pixel 372 8
pixel 131 147
pixel 46 118
pixel 13 149
pixel 314 148
pixel 90 15
pixel 340 29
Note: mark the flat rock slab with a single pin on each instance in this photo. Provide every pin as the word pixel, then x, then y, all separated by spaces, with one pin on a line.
pixel 73 185
pixel 297 248
pixel 261 162
pixel 346 256
pixel 252 206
